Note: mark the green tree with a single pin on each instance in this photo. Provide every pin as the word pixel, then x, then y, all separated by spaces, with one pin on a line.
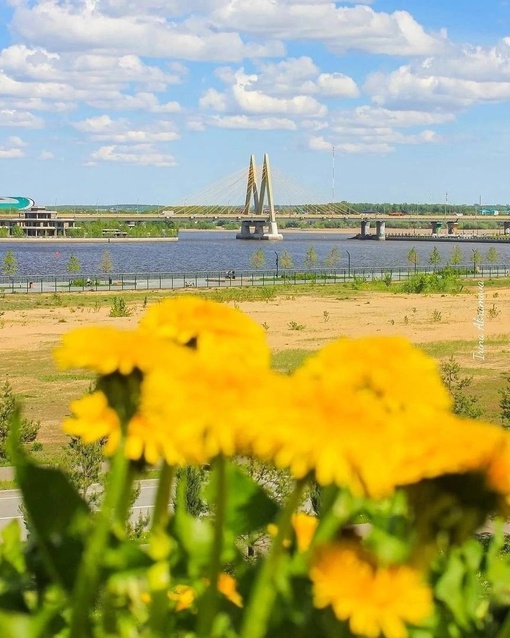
pixel 286 260
pixel 492 255
pixel 504 404
pixel 332 258
pixel 456 256
pixel 8 408
pixel 311 257
pixel 83 464
pixel 258 259
pixel 464 405
pixel 73 265
pixel 412 258
pixel 477 258
pixel 106 265
pixel 9 264
pixel 434 257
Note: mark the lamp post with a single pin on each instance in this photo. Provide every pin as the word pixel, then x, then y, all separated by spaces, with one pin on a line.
pixel 277 261
pixel 348 262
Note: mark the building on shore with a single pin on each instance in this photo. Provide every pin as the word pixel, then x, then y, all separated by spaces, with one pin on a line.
pixel 36 221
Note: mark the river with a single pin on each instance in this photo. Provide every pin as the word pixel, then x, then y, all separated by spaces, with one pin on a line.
pixel 219 250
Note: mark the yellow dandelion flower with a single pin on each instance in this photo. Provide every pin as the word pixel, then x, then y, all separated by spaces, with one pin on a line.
pixel 194 411
pixel 93 419
pixel 372 414
pixel 183 596
pixel 304 527
pixel 228 587
pixel 214 329
pixel 374 600
pixel 104 349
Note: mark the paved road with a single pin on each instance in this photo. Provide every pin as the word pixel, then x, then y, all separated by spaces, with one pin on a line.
pixel 10 501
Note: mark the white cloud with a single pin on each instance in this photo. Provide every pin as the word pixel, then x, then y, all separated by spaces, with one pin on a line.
pixel 464 76
pixel 19 119
pixel 339 27
pixel 350 148
pixel 72 27
pixel 213 99
pixel 302 76
pixel 256 123
pixel 143 154
pixel 270 92
pixel 46 155
pixel 122 131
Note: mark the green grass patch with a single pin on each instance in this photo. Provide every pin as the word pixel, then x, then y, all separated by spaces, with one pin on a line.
pixel 287 361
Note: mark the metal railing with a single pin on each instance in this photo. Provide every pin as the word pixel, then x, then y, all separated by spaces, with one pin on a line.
pixel 219 279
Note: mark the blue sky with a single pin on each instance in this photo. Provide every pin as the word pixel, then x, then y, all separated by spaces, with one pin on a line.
pixel 152 101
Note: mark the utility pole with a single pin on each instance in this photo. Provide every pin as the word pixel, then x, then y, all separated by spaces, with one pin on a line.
pixel 333 183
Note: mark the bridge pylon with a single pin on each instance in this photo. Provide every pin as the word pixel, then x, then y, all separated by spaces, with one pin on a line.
pixel 260 224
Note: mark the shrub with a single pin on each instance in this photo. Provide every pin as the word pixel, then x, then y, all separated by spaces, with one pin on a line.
pixel 119 308
pixel 8 408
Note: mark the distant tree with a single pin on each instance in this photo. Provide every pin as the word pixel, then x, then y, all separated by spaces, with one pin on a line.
pixel 434 257
pixel 477 258
pixel 106 265
pixel 286 260
pixel 412 257
pixel 9 264
pixel 463 404
pixel 258 259
pixel 311 257
pixel 456 256
pixel 17 231
pixel 492 255
pixel 73 265
pixel 332 258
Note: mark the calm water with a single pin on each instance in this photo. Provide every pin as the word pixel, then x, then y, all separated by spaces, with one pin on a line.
pixel 219 250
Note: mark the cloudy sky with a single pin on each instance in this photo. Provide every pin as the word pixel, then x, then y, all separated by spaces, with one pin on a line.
pixel 151 101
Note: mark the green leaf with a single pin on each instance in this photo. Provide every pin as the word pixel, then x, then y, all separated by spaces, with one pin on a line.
pixel 58 519
pixel 249 508
pixel 449 589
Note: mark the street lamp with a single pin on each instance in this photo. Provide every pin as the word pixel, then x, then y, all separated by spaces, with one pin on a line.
pixel 348 262
pixel 277 261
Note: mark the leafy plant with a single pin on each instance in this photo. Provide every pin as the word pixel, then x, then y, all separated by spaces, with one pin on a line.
pixel 28 428
pixel 436 316
pixel 311 257
pixel 294 325
pixel 286 260
pixel 73 265
pixel 464 404
pixel 119 308
pixel 258 259
pixel 493 311
pixel 10 264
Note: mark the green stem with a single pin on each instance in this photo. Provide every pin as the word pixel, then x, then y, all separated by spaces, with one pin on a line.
pixel 505 629
pixel 159 599
pixel 85 590
pixel 166 479
pixel 263 595
pixel 210 601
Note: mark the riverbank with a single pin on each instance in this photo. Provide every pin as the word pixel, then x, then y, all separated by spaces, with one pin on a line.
pixel 85 240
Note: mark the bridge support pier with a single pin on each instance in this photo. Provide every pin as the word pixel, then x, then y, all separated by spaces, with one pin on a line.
pixel 452 227
pixel 365 228
pixel 436 227
pixel 380 227
pixel 258 229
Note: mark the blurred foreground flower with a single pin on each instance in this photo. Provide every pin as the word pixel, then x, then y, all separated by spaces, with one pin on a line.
pixel 373 599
